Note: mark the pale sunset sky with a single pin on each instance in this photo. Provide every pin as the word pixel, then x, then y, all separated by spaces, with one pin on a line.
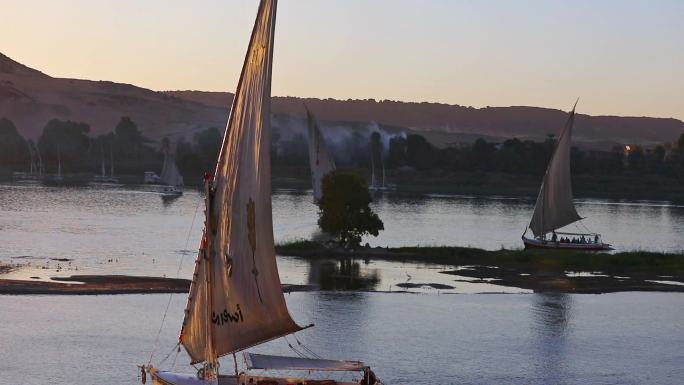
pixel 621 57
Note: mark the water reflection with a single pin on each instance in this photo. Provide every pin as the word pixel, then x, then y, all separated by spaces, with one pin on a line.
pixel 552 313
pixel 167 200
pixel 344 274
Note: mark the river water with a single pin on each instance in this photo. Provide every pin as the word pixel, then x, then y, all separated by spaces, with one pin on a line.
pixel 427 336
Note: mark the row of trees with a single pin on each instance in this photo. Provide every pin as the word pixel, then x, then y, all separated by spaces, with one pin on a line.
pixel 528 157
pixel 513 156
pixel 133 153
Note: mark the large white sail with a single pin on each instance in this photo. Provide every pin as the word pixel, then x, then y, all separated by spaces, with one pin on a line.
pixel 554 208
pixel 170 175
pixel 320 159
pixel 241 303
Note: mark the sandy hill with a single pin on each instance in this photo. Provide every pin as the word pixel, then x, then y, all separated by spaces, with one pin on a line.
pixel 467 122
pixel 30 98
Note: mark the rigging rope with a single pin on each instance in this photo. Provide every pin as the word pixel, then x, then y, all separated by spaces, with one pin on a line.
pixel 300 354
pixel 306 348
pixel 169 355
pixel 180 265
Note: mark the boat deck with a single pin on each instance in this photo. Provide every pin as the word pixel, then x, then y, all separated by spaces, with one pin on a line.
pixel 546 244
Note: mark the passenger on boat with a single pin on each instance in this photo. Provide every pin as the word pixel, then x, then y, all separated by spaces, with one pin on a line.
pixel 554 237
pixel 596 238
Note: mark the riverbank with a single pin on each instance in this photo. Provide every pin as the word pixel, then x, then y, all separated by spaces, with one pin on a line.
pixel 95 284
pixel 415 269
pixel 106 285
pixel 537 270
pixel 648 187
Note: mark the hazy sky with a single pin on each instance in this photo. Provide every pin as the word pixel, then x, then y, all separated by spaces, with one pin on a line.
pixel 621 57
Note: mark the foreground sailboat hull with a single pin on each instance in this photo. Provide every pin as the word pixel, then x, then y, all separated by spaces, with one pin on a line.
pixel 542 244
pixel 168 378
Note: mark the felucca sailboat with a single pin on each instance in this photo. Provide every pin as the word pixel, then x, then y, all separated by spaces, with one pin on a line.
pixel 555 209
pixel 103 178
pixel 170 177
pixel 377 144
pixel 236 300
pixel 320 159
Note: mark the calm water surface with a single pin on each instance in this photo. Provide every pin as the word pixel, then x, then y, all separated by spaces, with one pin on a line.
pixel 418 338
pixel 626 338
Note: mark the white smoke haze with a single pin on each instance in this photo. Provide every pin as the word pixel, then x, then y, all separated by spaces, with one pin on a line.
pixel 349 142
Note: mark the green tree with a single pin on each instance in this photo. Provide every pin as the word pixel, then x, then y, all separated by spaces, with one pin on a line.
pixel 397 152
pixel 130 142
pixel 208 143
pixel 65 140
pixel 344 209
pixel 13 147
pixel 420 153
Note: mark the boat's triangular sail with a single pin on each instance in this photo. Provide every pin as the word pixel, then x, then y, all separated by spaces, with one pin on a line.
pixel 555 208
pixel 170 175
pixel 247 303
pixel 320 159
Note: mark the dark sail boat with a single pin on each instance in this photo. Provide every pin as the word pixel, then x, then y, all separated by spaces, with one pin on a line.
pixel 236 300
pixel 555 208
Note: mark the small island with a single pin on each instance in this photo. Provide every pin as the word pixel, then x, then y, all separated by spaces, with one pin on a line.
pixel 537 270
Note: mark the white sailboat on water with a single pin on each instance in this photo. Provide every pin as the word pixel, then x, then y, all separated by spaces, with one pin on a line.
pixel 555 208
pixel 103 177
pixel 57 178
pixel 374 186
pixel 236 300
pixel 35 171
pixel 170 177
pixel 320 158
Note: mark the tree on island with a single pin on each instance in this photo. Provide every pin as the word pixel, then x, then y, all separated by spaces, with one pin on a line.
pixel 344 210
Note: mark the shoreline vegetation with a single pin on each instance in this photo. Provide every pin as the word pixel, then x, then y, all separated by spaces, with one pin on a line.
pixel 618 187
pixel 511 167
pixel 106 285
pixel 536 270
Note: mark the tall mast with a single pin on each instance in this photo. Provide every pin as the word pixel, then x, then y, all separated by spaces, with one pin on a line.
pixel 40 160
pixel 102 164
pixel 111 161
pixel 382 164
pixel 372 165
pixel 30 147
pixel 59 162
pixel 211 351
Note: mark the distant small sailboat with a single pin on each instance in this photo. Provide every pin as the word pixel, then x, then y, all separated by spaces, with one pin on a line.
pixel 35 173
pixel 170 177
pixel 555 208
pixel 236 300
pixel 320 158
pixel 57 178
pixel 104 178
pixel 374 186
